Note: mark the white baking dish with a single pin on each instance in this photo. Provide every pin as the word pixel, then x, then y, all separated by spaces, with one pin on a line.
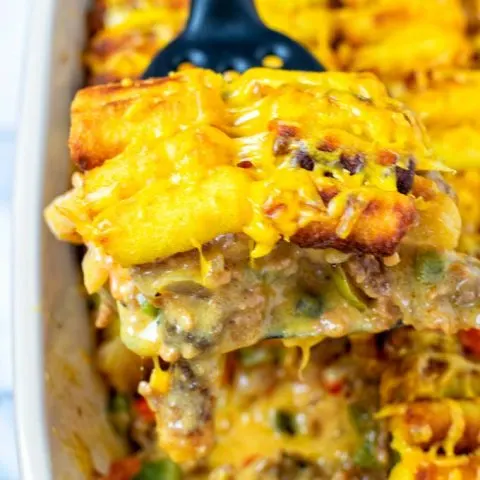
pixel 60 401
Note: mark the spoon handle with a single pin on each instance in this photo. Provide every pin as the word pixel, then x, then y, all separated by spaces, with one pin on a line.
pixel 211 17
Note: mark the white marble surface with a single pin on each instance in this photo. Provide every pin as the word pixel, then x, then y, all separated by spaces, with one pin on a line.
pixel 13 30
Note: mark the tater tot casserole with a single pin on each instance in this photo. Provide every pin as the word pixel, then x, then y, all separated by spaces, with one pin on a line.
pixel 283 267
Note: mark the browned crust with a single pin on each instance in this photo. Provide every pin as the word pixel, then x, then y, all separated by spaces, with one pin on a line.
pixel 95 17
pixel 104 47
pixel 102 79
pixel 99 128
pixel 436 418
pixel 378 231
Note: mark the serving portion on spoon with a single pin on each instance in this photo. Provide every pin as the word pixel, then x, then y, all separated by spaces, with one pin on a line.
pixel 274 205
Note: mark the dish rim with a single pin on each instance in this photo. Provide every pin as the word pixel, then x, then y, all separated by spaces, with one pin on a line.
pixel 28 343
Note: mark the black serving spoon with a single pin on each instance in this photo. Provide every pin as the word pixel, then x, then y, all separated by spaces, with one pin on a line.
pixel 229 35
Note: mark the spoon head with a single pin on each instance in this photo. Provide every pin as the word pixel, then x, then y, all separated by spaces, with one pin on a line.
pixel 221 53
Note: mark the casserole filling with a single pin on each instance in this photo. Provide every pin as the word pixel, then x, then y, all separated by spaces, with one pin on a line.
pixel 334 419
pixel 175 310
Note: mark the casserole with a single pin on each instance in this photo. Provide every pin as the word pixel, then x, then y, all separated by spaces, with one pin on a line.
pixel 73 396
pixel 171 292
pixel 53 409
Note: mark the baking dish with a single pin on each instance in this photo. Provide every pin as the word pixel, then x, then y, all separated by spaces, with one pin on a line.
pixel 75 441
pixel 61 425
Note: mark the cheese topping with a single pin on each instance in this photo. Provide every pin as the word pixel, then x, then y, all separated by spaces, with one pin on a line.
pixel 323 160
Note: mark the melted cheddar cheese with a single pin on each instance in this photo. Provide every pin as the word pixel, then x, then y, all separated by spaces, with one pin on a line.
pixel 243 433
pixel 326 160
pixel 417 461
pixel 448 103
pixel 430 392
